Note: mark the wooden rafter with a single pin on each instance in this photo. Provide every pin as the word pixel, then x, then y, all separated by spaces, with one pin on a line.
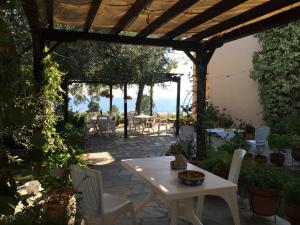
pixel 50 13
pixel 130 16
pixel 175 10
pixel 251 14
pixel 203 17
pixel 263 25
pixel 95 4
pixel 69 36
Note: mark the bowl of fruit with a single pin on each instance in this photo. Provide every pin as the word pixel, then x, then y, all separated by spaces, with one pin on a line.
pixel 191 177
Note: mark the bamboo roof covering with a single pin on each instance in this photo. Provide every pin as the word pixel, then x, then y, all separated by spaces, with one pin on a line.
pixel 183 20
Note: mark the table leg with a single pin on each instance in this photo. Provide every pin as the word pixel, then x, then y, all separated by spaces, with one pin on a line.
pixel 150 197
pixel 173 212
pixel 231 200
pixel 188 213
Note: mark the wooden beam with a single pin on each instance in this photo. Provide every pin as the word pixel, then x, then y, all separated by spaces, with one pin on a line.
pixel 52 49
pixel 203 17
pixel 95 4
pixel 251 14
pixel 130 15
pixel 263 25
pixel 175 10
pixel 69 36
pixel 50 13
pixel 192 58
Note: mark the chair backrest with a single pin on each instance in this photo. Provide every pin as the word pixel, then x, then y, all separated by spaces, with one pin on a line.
pixel 261 135
pixel 187 133
pixel 88 184
pixel 236 164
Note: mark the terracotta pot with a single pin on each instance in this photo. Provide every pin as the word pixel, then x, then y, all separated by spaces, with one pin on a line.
pixel 264 201
pixel 296 154
pixel 249 136
pixel 293 213
pixel 180 162
pixel 261 159
pixel 277 159
pixel 249 156
pixel 54 210
pixel 195 162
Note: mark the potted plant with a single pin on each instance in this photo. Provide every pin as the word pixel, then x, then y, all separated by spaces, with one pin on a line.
pixel 292 205
pixel 249 132
pixel 218 162
pixel 56 194
pixel 278 143
pixel 296 147
pixel 180 162
pixel 264 184
pixel 259 157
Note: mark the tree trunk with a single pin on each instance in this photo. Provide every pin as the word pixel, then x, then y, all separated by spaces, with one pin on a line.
pixel 151 100
pixel 139 98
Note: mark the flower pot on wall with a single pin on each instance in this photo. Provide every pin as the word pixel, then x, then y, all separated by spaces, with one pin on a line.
pixel 180 162
pixel 293 213
pixel 261 159
pixel 277 159
pixel 264 201
pixel 296 154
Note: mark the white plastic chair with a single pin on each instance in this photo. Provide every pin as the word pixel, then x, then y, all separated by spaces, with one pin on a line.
pixel 261 136
pixel 233 176
pixel 95 206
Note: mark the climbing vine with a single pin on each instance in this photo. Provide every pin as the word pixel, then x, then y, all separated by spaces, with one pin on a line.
pixel 276 67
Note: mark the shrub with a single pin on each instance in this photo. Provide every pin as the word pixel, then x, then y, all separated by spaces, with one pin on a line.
pixel 292 192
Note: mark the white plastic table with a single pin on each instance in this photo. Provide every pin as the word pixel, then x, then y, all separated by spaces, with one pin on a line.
pixel 163 183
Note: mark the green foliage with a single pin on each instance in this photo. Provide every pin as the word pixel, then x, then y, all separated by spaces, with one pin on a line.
pixel 214 117
pixel 292 192
pixel 279 142
pixel 32 215
pixel 217 162
pixel 276 67
pixel 93 106
pixel 72 135
pixel 184 147
pixel 237 142
pixel 262 175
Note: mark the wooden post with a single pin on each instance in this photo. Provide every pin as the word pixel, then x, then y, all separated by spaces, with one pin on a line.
pixel 66 99
pixel 125 111
pixel 38 45
pixel 201 72
pixel 110 99
pixel 178 106
pixel 151 100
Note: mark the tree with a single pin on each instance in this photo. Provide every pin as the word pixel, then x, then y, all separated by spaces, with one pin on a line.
pixel 276 67
pixel 113 64
pixel 146 104
pixel 93 105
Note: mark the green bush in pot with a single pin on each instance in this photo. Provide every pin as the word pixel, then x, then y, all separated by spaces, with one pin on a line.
pixel 292 204
pixel 296 147
pixel 278 143
pixel 264 184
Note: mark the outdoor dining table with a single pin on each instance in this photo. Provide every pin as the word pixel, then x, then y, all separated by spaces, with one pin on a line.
pixel 145 118
pixel 163 183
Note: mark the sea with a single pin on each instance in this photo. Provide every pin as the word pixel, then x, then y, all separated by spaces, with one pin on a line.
pixel 161 105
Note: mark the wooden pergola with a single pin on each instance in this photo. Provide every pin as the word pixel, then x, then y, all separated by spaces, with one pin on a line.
pixel 187 25
pixel 168 77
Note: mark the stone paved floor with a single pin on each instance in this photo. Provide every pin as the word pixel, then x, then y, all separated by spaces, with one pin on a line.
pixel 106 156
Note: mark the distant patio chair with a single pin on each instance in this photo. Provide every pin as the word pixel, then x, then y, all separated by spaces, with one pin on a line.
pixel 96 206
pixel 133 123
pixel 233 176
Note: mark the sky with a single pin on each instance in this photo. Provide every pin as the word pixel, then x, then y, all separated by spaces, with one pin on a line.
pixel 184 66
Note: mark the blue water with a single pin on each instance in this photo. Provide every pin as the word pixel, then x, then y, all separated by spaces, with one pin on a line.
pixel 161 105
